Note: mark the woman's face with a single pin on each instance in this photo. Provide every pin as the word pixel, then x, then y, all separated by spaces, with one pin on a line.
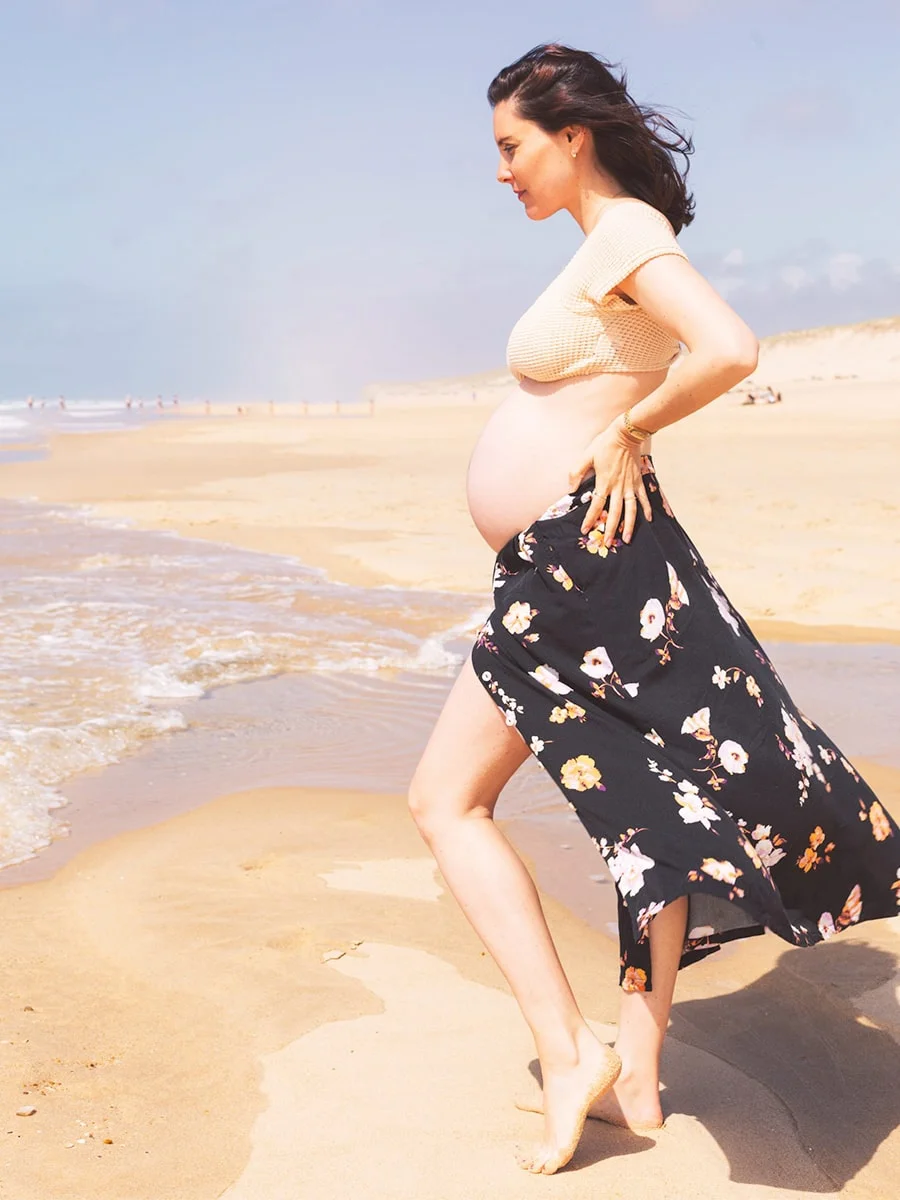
pixel 537 165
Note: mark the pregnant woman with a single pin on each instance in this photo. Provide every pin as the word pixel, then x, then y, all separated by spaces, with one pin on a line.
pixel 612 654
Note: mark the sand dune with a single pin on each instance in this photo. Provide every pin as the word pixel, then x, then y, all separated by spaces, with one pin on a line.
pixel 867 351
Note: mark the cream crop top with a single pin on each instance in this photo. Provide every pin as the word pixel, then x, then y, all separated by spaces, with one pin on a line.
pixel 577 326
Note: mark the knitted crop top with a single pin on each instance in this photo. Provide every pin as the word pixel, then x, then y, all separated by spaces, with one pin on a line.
pixel 577 326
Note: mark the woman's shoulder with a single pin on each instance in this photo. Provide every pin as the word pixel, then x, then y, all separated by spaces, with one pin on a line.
pixel 633 213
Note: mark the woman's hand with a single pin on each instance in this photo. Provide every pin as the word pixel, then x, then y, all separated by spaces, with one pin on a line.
pixel 616 459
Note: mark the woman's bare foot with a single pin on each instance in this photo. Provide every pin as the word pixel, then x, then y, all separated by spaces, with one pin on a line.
pixel 568 1094
pixel 630 1103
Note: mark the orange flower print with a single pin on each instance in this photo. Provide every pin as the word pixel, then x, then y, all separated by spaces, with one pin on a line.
pixel 561 714
pixel 592 541
pixel 561 575
pixel 809 858
pixel 635 980
pixel 881 827
pixel 752 855
pixel 852 908
pixel 580 774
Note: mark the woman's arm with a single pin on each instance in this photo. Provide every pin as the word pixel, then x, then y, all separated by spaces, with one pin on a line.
pixel 722 349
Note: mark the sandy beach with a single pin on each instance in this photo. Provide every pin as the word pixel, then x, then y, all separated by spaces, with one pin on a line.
pixel 274 995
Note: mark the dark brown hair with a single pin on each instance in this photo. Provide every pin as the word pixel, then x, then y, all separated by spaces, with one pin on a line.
pixel 555 86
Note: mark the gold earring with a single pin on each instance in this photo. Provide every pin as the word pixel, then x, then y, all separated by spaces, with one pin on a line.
pixel 574 152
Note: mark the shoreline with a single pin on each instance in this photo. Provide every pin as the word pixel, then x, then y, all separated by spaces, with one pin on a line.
pixel 381 502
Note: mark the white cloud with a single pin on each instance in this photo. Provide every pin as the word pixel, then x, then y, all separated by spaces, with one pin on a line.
pixel 725 285
pixel 734 258
pixel 843 270
pixel 794 277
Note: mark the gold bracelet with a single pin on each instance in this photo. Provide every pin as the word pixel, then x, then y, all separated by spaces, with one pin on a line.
pixel 635 431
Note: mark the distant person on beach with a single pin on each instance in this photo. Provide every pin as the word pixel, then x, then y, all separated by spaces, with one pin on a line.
pixel 612 654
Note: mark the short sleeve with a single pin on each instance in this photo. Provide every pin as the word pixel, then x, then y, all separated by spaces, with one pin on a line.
pixel 624 239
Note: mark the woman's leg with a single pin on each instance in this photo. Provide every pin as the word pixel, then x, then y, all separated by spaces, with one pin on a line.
pixel 469 757
pixel 643 1019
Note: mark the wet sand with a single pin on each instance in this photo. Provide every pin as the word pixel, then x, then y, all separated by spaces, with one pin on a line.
pixel 169 991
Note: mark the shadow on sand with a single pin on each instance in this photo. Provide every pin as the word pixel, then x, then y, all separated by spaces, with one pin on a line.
pixel 794 1030
pixel 797 1032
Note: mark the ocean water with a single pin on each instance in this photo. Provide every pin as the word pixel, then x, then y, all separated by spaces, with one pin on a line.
pixel 108 633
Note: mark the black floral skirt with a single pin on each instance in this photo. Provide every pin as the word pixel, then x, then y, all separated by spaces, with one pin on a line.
pixel 654 709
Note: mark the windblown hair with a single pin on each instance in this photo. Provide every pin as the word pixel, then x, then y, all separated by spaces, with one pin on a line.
pixel 555 86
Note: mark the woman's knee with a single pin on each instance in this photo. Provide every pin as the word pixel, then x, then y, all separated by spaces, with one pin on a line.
pixel 433 804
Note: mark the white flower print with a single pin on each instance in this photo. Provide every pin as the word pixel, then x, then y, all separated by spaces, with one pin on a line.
pixel 803 756
pixel 631 688
pixel 646 915
pixel 627 866
pixel 769 852
pixel 518 616
pixel 653 618
pixel 720 678
pixel 698 724
pixel 654 737
pixel 510 716
pixel 597 663
pixel 733 757
pixel 549 677
pixel 536 744
pixel 558 508
pixel 676 587
pixel 723 607
pixel 826 925
pixel 721 869
pixel 693 807
pixel 523 545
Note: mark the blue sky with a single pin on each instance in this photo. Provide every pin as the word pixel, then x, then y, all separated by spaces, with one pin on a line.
pixel 289 200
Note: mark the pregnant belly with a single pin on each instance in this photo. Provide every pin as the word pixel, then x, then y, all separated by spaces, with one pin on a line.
pixel 522 459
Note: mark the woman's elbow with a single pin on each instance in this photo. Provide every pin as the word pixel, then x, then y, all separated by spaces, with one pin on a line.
pixel 736 356
pixel 746 353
